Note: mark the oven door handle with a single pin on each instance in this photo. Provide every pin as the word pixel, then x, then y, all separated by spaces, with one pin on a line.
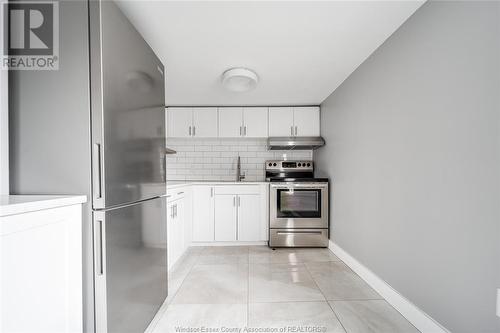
pixel 298 232
pixel 281 187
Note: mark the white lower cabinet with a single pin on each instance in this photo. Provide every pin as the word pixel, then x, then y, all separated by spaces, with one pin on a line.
pixel 249 221
pixel 41 265
pixel 178 223
pixel 237 217
pixel 175 230
pixel 240 213
pixel 203 213
pixel 225 218
pixel 218 213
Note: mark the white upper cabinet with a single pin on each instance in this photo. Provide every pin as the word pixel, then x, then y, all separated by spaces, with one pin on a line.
pixel 230 122
pixel 237 122
pixel 306 121
pixel 242 122
pixel 192 122
pixel 281 121
pixel 255 123
pixel 205 122
pixel 179 122
pixel 294 121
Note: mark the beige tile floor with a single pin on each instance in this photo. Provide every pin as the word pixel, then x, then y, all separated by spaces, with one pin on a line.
pixel 230 288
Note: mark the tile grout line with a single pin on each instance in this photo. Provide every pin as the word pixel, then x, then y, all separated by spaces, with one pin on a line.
pixel 327 302
pixel 336 316
pixel 157 320
pixel 370 299
pixel 248 287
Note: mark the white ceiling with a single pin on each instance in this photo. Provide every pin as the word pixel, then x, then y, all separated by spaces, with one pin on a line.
pixel 301 50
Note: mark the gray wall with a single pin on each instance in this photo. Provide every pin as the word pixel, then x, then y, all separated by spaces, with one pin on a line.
pixel 4 126
pixel 49 130
pixel 413 152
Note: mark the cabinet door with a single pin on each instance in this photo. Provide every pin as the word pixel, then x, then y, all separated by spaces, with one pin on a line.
pixel 170 234
pixel 203 213
pixel 255 122
pixel 249 217
pixel 205 122
pixel 180 122
pixel 306 121
pixel 41 265
pixel 225 218
pixel 281 121
pixel 179 228
pixel 230 122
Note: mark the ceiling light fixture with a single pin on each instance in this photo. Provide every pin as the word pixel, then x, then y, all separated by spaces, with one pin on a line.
pixel 239 79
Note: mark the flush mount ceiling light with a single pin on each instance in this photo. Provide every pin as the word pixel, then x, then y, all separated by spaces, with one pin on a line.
pixel 239 79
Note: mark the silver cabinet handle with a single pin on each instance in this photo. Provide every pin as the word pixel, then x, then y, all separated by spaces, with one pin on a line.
pixel 291 130
pixel 234 201
pixel 175 210
pixel 189 130
pixel 178 193
pixel 172 212
pixel 194 130
pixel 211 191
pixel 97 171
pixel 99 254
pixel 239 201
pixel 295 130
pixel 240 130
pixel 245 130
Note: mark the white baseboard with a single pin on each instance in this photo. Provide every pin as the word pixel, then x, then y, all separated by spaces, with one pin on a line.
pixel 421 320
pixel 228 243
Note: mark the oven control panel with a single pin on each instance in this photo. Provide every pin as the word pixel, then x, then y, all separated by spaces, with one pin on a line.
pixel 290 165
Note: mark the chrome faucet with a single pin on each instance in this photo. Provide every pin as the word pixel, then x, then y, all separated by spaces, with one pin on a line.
pixel 239 176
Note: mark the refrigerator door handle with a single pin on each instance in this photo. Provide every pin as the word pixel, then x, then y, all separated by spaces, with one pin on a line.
pixel 97 162
pixel 99 252
pixel 97 171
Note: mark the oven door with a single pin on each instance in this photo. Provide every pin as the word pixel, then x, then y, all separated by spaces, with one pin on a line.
pixel 299 205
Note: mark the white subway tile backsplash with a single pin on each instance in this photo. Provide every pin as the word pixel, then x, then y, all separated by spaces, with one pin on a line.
pixel 215 159
pixel 203 148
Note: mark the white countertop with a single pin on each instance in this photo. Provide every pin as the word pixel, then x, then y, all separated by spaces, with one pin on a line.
pixel 18 204
pixel 180 183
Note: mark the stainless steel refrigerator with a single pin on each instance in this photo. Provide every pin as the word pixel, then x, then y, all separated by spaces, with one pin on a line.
pixel 96 126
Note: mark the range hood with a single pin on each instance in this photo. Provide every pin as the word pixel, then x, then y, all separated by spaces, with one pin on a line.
pixel 295 143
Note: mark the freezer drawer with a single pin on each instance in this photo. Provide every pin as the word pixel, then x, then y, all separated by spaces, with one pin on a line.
pixel 298 237
pixel 130 265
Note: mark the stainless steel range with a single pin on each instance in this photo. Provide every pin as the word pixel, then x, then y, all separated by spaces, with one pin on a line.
pixel 298 207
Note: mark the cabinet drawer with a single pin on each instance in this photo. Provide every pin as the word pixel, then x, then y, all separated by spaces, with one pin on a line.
pixel 175 194
pixel 298 238
pixel 237 189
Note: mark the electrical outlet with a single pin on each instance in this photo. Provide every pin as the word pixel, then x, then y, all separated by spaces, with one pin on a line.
pixel 498 302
